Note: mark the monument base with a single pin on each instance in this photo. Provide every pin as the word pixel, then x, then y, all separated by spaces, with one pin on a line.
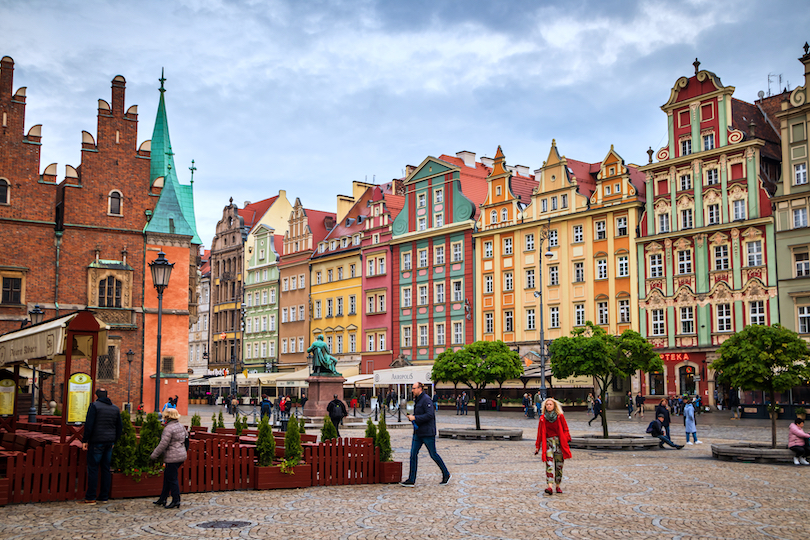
pixel 321 391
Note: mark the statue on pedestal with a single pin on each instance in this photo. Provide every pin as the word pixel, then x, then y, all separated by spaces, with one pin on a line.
pixel 322 362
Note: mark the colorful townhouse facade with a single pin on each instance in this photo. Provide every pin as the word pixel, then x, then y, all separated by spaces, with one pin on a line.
pixel 707 250
pixel 261 300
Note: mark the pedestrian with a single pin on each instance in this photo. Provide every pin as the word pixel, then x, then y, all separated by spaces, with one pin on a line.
pixel 172 447
pixel 656 429
pixel 553 438
pixel 235 405
pixel 424 432
pixel 102 429
pixel 363 402
pixel 629 402
pixel 336 410
pixel 526 402
pixel 662 409
pixel 538 403
pixel 304 400
pixel 640 404
pixel 464 401
pixel 590 403
pixel 689 423
pixel 265 407
pixel 288 406
pixel 734 403
pixel 170 404
pixel 597 409
pixel 281 406
pixel 435 402
pixel 799 442
pixel 458 405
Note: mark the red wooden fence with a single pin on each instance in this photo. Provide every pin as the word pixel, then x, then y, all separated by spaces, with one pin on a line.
pixel 56 472
pixel 343 462
pixel 217 465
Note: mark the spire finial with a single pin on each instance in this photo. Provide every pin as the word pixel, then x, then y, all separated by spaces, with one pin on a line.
pixel 696 63
pixel 806 48
pixel 162 80
pixel 192 169
pixel 650 153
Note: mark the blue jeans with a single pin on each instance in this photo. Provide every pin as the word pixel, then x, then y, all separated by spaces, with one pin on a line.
pixel 666 440
pixel 98 455
pixel 693 433
pixel 170 483
pixel 416 445
pixel 666 428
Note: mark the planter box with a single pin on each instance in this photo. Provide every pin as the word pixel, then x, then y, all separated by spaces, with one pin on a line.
pixel 273 478
pixel 4 491
pixel 201 429
pixel 125 487
pixel 390 472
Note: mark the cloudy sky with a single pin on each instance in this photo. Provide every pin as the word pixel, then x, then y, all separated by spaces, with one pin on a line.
pixel 309 95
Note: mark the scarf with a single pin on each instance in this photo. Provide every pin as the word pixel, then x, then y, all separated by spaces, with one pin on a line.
pixel 551 416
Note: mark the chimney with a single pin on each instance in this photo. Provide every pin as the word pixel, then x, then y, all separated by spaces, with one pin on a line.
pixel 344 204
pixel 6 77
pixel 329 222
pixel 246 203
pixel 467 157
pixel 409 169
pixel 488 162
pixel 522 170
pixel 752 128
pixel 119 85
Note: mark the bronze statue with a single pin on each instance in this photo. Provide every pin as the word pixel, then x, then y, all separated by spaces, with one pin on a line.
pixel 322 362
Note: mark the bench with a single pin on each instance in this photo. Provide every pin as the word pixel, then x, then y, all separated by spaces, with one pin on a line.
pixel 481 434
pixel 752 452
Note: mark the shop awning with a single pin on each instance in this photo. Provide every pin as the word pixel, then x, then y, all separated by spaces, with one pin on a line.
pixel 359 381
pixel 269 379
pixel 297 379
pixel 404 375
pixel 252 379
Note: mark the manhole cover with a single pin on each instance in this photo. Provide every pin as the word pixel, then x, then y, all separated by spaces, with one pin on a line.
pixel 222 524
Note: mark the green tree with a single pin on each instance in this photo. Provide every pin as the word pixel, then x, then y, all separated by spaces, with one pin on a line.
pixel 371 431
pixel 221 420
pixel 265 443
pixel 150 438
pixel 292 444
pixel 590 351
pixel 383 440
pixel 328 431
pixel 477 365
pixel 196 420
pixel 768 358
pixel 123 456
pixel 213 423
pixel 302 425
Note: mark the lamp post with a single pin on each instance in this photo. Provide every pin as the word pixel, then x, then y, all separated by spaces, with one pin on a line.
pixel 36 314
pixel 161 272
pixel 130 358
pixel 237 344
pixel 541 237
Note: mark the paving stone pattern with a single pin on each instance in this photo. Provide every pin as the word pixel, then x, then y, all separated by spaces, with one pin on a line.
pixel 496 492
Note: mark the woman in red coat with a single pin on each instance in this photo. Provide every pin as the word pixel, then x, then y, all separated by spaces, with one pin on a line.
pixel 552 438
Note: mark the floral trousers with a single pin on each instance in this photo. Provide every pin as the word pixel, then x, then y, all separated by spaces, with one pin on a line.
pixel 554 460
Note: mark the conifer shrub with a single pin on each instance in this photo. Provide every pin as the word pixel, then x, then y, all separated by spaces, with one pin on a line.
pixel 139 418
pixel 150 438
pixel 221 420
pixel 214 423
pixel 265 443
pixel 292 447
pixel 302 425
pixel 237 424
pixel 383 440
pixel 196 420
pixel 123 456
pixel 371 431
pixel 328 431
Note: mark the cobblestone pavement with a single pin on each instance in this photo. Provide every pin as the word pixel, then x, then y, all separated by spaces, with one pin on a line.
pixel 496 492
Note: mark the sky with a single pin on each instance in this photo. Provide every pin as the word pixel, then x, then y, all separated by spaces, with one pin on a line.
pixel 307 96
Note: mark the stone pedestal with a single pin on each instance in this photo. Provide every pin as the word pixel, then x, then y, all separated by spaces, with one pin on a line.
pixel 321 391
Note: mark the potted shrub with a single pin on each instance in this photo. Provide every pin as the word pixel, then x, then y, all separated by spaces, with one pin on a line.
pixel 265 453
pixel 328 431
pixel 145 478
pixel 301 475
pixel 371 431
pixel 389 471
pixel 196 420
pixel 801 412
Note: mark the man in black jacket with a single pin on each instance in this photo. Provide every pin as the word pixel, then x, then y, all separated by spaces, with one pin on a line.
pixel 102 428
pixel 266 407
pixel 656 429
pixel 336 410
pixel 424 432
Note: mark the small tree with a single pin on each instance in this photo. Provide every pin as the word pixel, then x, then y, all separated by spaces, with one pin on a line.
pixel 302 425
pixel 592 352
pixel 213 423
pixel 477 365
pixel 150 438
pixel 139 418
pixel 123 456
pixel 196 420
pixel 237 424
pixel 292 446
pixel 383 440
pixel 371 431
pixel 221 421
pixel 768 358
pixel 328 431
pixel 265 443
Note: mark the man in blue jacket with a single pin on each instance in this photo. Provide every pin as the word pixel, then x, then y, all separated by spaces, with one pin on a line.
pixel 424 432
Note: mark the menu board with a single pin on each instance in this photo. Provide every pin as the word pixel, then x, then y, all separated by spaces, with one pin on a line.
pixel 80 386
pixel 7 393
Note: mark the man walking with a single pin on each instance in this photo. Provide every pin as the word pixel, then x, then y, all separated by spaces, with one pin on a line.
pixel 363 402
pixel 424 432
pixel 597 409
pixel 464 401
pixel 640 404
pixel 336 410
pixel 102 428
pixel 629 403
pixel 265 406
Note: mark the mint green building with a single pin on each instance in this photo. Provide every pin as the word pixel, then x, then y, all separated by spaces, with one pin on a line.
pixel 260 352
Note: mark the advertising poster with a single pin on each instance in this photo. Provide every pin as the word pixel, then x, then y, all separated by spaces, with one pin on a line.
pixel 79 390
pixel 7 393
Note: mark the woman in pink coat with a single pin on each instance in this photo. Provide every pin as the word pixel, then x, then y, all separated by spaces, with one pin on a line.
pixel 797 441
pixel 552 438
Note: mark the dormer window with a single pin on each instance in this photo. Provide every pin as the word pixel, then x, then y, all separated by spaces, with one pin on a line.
pixel 332 245
pixel 322 247
pixel 493 217
pixel 356 240
pixel 114 203
pixel 344 242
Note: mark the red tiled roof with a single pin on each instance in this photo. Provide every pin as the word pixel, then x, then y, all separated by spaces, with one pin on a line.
pixel 522 187
pixel 316 223
pixel 585 174
pixel 394 204
pixel 253 212
pixel 473 180
pixel 278 243
pixel 350 223
pixel 639 181
pixel 743 112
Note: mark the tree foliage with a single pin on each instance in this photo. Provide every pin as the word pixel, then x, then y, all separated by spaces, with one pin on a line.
pixel 383 440
pixel 149 439
pixel 292 444
pixel 591 351
pixel 768 358
pixel 371 431
pixel 328 431
pixel 476 366
pixel 265 443
pixel 123 456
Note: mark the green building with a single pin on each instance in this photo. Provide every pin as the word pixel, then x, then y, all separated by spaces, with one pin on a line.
pixel 261 301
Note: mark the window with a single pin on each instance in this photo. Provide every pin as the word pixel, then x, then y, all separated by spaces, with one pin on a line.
pixel 371 305
pixel 685 262
pixel 624 266
pixel 272 296
pixel 504 215
pixel 530 279
pixel 422 224
pixel 489 323
pixel 712 177
pixel 114 203
pixel 721 257
pixel 804 319
pixel 754 253
pixel 799 218
pixel 438 219
pixel 317 309
pixel 554 317
pixel 800 173
pixel 440 334
pixel 756 310
pixel 488 284
pixel 4 191
pixel 283 346
pixel 553 275
pixel 458 333
pixel 708 141
pixel 663 223
pixel 624 311
pixel 439 297
pixel 493 217
pixel 739 210
pixel 370 270
pixel 508 281
pixel 686 219
pixel 353 269
pixel 273 323
pixel 621 226
pixel 528 242
pixel 656 265
pixel 340 273
pixel 686 182
pixel 602 309
pixel 579 272
pixel 423 335
pixel 507 246
pixel 381 338
pixel 438 195
pixel 457 252
pixel 284 315
pixel 317 278
pixel 658 322
pixel 356 240
pixel 607 190
pixel 421 200
pixel 370 345
pixel 438 256
pixel 423 258
pixel 340 306
pixel 353 305
pixel 487 250
pixel 109 292
pixel 563 201
pixel 578 237
pixel 687 320
pixel 339 343
pixel 508 321
pixel 601 269
pixel 375 239
pixel 552 238
pixel 530 320
pixel 601 231
pixel 802 261
pixel 329 304
pixel 329 276
pixel 406 261
pixel 423 295
pixel 579 315
pixel 292 314
pixel 544 205
pixel 292 283
pixel 344 242
pixel 686 147
pixel 264 297
pixel 724 317
pixel 406 298
pixel 406 336
pixel 554 203
pixel 292 345
pixel 714 214
pixel 457 293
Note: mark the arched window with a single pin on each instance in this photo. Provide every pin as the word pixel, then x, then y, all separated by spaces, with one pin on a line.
pixel 5 191
pixel 114 203
pixel 109 292
pixel 504 215
pixel 493 216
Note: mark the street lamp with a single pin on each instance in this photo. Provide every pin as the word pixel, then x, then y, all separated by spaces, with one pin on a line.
pixel 36 314
pixel 237 343
pixel 161 272
pixel 541 237
pixel 130 358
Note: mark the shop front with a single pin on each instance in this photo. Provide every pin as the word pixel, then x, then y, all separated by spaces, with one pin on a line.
pixel 684 373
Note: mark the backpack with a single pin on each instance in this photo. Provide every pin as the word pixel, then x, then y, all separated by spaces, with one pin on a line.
pixel 650 427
